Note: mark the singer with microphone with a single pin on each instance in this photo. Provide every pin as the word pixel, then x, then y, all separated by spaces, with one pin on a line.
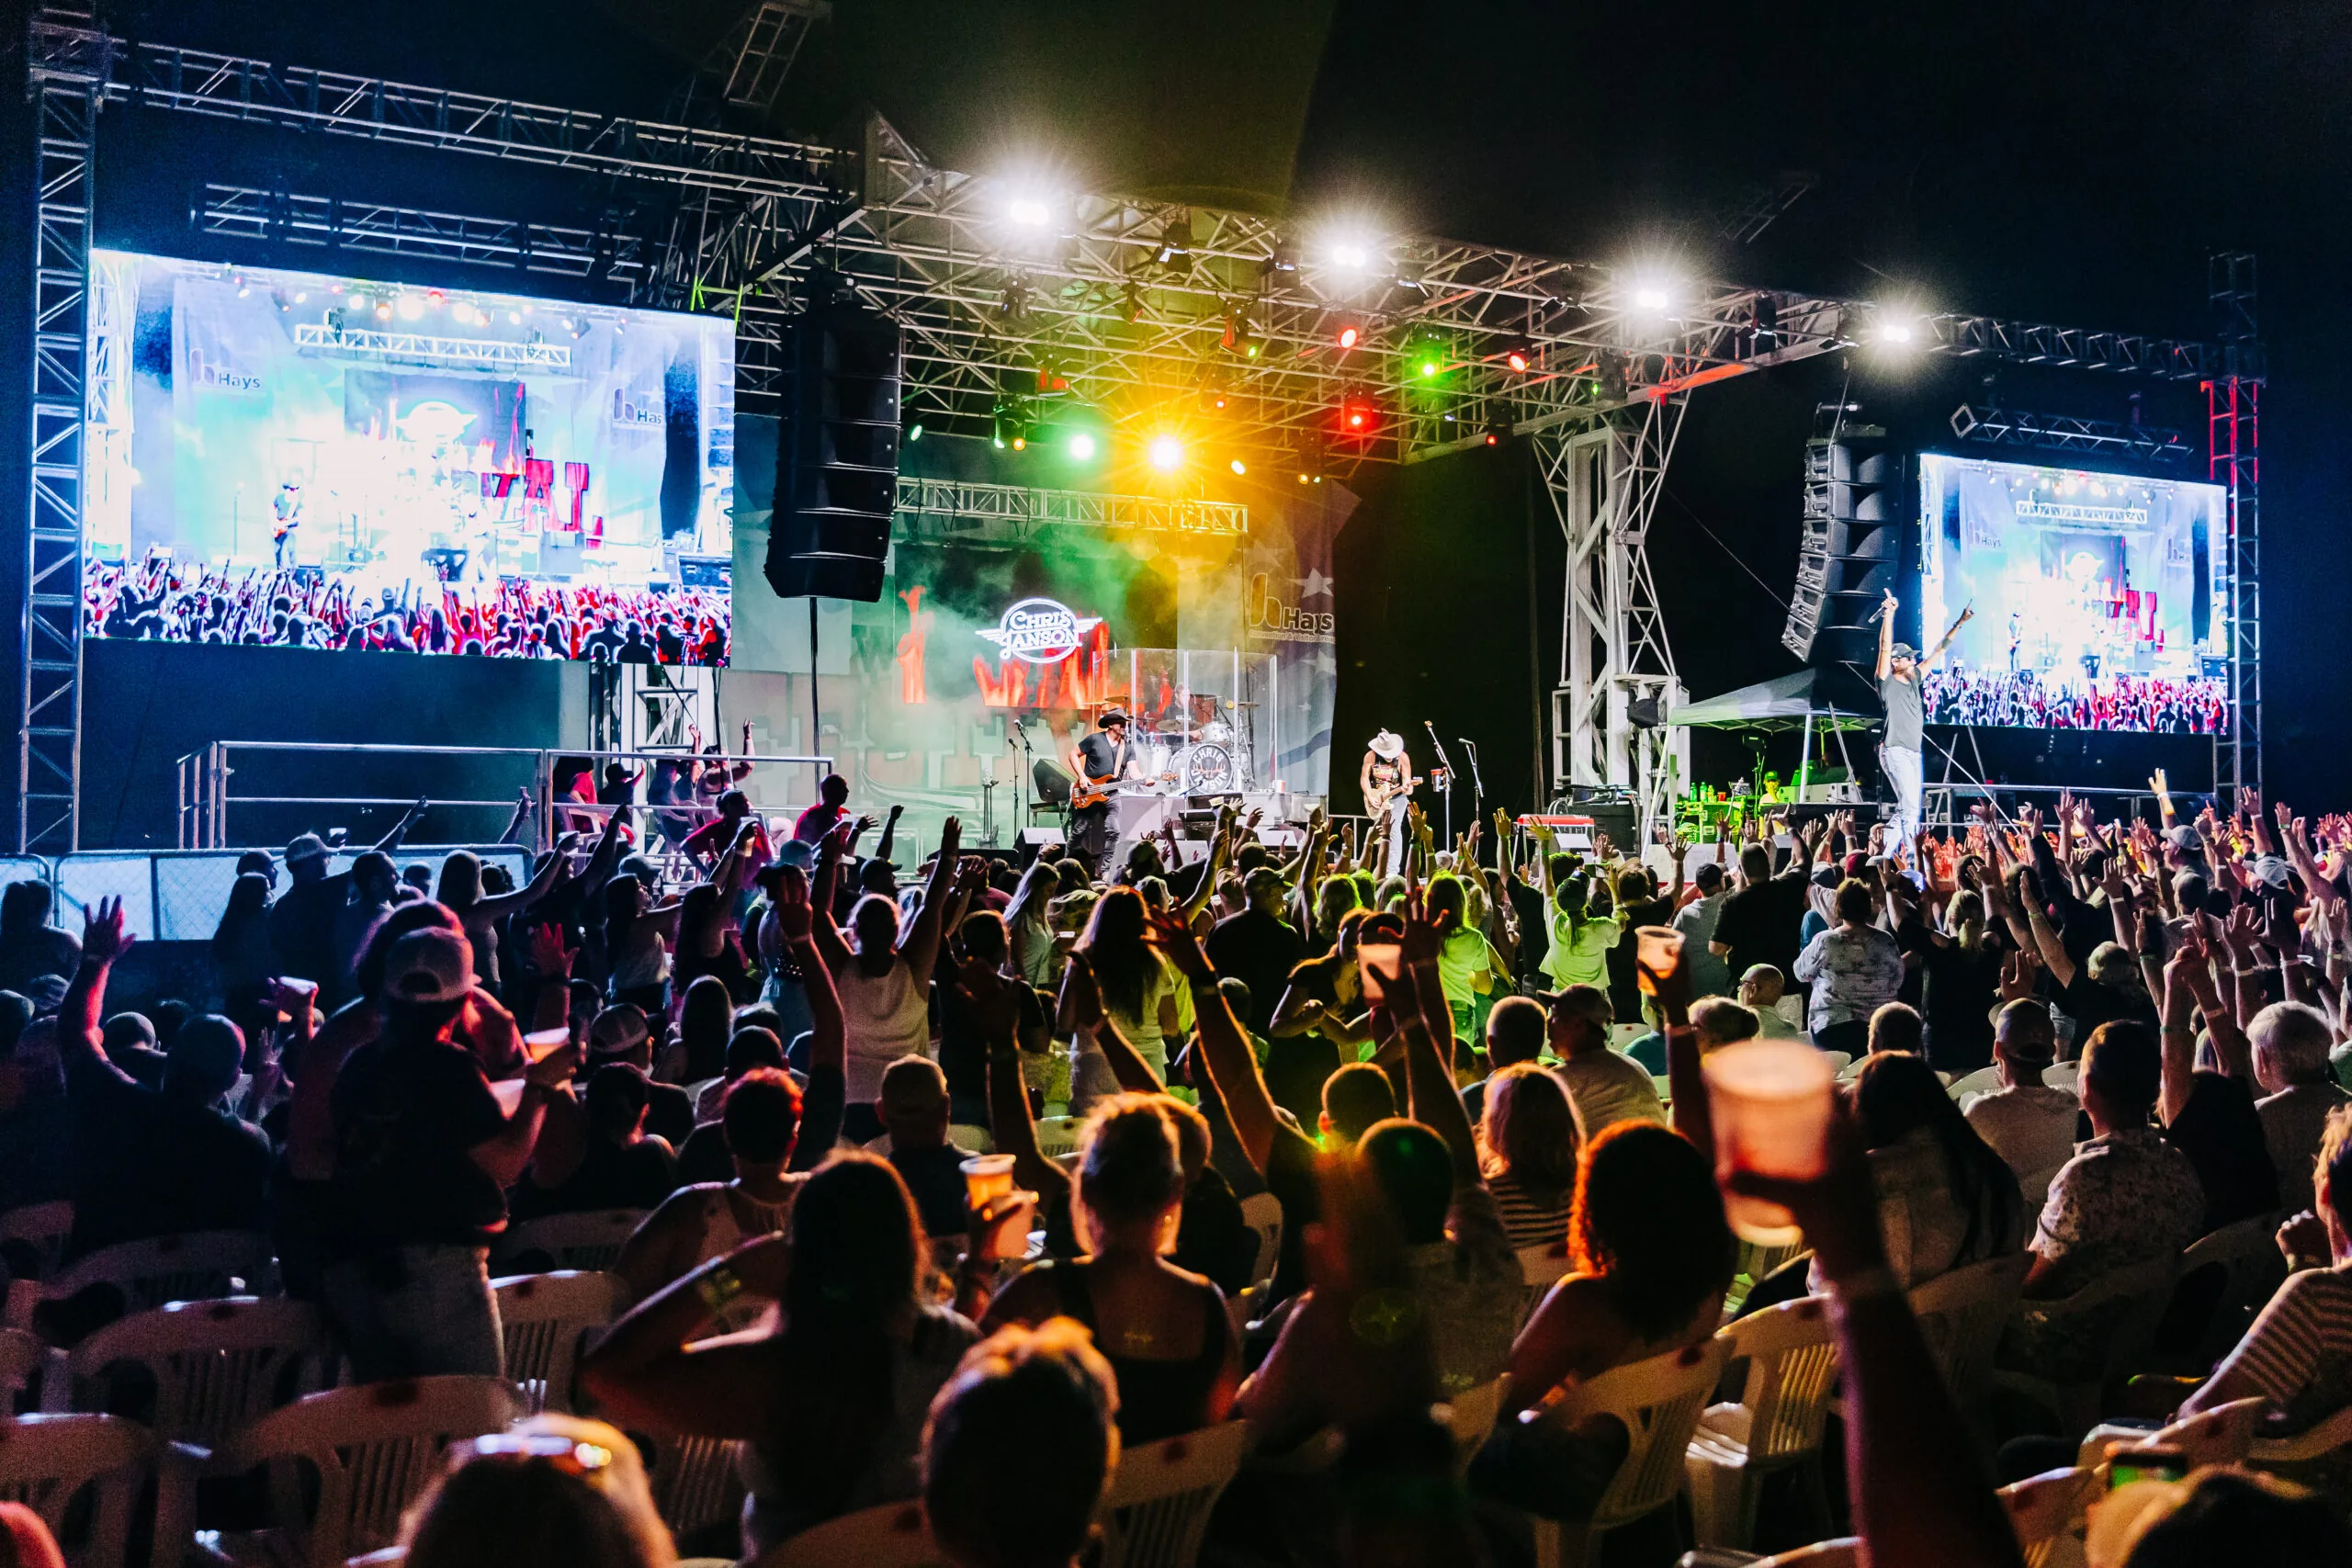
pixel 1388 783
pixel 1898 689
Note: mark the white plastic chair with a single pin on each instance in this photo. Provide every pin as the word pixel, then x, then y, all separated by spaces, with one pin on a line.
pixel 2044 1509
pixel 217 1365
pixel 373 1448
pixel 1159 1500
pixel 1057 1135
pixel 2063 1074
pixel 1962 1314
pixel 1540 1268
pixel 694 1482
pixel 46 1461
pixel 1846 1551
pixel 1658 1402
pixel 1470 1416
pixel 542 1317
pixel 42 1231
pixel 2131 1302
pixel 1839 1061
pixel 200 1266
pixel 1262 1212
pixel 894 1535
pixel 1791 1354
pixel 590 1240
pixel 2329 1436
pixel 2247 1253
pixel 2033 1187
pixel 1983 1081
pixel 2224 1435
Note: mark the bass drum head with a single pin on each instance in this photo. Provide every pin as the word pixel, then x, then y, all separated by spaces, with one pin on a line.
pixel 1208 770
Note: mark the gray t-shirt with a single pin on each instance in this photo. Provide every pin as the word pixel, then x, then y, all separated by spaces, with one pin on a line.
pixel 1903 720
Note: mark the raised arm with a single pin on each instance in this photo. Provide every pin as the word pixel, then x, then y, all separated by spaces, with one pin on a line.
pixel 78 1030
pixel 994 1002
pixel 830 944
pixel 392 841
pixel 1225 1052
pixel 1887 635
pixel 1427 1024
pixel 1967 614
pixel 2046 938
pixel 545 880
pixel 921 946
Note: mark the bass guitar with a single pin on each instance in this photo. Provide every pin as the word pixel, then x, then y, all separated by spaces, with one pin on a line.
pixel 1087 793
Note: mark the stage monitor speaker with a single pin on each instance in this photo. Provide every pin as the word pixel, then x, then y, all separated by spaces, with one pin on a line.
pixel 837 462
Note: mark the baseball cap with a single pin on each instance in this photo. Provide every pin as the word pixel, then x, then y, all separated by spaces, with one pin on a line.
pixel 429 965
pixel 617 1031
pixel 1903 651
pixel 305 846
pixel 2183 837
pixel 259 861
pixel 797 851
pixel 1590 1000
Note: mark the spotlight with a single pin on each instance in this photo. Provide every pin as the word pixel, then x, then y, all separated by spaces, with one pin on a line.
pixel 243 288
pixel 1519 356
pixel 411 307
pixel 1283 258
pixel 914 431
pixel 1428 361
pixel 1238 467
pixel 1175 240
pixel 1650 297
pixel 383 309
pixel 1349 253
pixel 1029 212
pixel 1358 416
pixel 1497 431
pixel 433 298
pixel 515 318
pixel 1239 337
pixel 1167 454
pixel 1020 443
pixel 303 297
pixel 1081 447
pixel 1896 327
pixel 1349 334
pixel 353 301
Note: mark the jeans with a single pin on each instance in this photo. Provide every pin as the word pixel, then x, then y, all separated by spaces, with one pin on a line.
pixel 416 1311
pixel 1399 838
pixel 1904 770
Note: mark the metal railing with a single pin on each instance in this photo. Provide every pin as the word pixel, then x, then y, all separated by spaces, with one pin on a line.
pixel 206 798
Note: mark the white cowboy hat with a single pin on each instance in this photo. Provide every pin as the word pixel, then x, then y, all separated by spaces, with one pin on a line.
pixel 1388 745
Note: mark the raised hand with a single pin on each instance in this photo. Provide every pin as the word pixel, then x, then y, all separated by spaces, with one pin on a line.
pixel 795 916
pixel 548 954
pixel 2243 933
pixel 103 938
pixel 1174 941
pixel 990 999
pixel 2018 972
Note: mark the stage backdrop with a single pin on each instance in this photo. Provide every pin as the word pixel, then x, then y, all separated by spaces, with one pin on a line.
pixel 989 633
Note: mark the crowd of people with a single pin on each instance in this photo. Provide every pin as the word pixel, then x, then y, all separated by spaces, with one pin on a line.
pixel 2153 705
pixel 161 599
pixel 1494 1048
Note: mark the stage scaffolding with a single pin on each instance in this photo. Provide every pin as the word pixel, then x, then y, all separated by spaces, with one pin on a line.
pixel 1132 302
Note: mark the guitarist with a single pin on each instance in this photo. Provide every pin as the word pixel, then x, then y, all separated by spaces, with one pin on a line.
pixel 1102 759
pixel 1388 783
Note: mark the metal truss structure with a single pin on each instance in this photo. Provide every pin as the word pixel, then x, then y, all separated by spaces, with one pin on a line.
pixel 1222 327
pixel 961 509
pixel 67 76
pixel 428 348
pixel 2063 433
pixel 2233 406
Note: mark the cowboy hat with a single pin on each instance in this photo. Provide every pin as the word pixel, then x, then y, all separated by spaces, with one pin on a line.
pixel 1388 744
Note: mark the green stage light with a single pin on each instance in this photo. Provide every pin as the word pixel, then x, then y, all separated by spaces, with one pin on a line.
pixel 914 431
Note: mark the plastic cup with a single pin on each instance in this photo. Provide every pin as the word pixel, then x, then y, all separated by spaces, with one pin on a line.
pixel 987 1176
pixel 541 1044
pixel 1769 1103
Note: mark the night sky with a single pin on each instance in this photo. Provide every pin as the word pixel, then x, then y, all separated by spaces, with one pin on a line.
pixel 2071 165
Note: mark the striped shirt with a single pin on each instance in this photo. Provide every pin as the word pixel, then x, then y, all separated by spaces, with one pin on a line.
pixel 1526 1222
pixel 2298 1352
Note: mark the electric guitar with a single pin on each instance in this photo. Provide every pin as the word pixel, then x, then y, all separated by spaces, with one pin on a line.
pixel 1087 793
pixel 1377 798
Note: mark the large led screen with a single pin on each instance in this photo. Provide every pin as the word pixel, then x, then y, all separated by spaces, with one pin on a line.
pixel 2101 601
pixel 313 460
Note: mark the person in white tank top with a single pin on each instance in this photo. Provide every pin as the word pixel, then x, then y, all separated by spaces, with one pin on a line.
pixel 884 980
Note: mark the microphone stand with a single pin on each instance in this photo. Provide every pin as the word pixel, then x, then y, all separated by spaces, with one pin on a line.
pixel 1446 788
pixel 1020 736
pixel 1477 784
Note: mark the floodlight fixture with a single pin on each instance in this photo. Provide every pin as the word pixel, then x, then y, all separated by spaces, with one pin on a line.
pixel 1080 446
pixel 1167 452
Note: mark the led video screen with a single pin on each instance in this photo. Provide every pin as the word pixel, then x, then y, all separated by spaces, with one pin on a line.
pixel 2101 601
pixel 314 460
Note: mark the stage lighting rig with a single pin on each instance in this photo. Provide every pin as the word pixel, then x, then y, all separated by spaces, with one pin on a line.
pixel 1175 242
pixel 1239 337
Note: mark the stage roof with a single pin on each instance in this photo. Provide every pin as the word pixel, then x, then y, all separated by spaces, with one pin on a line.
pixel 1831 699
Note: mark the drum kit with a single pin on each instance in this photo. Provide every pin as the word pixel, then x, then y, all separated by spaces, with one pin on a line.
pixel 1208 757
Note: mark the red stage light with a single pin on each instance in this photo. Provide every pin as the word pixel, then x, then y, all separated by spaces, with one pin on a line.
pixel 1493 439
pixel 1359 417
pixel 1517 359
pixel 1349 334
